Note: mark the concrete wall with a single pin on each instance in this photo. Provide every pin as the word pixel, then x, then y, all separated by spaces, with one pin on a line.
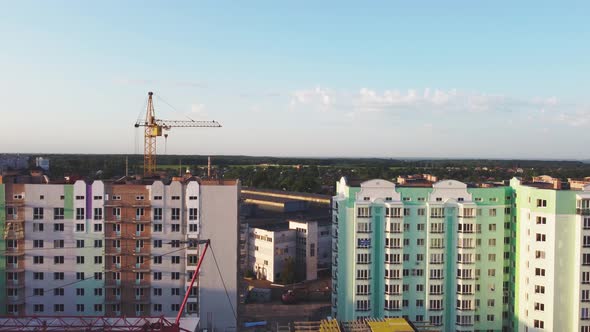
pixel 219 223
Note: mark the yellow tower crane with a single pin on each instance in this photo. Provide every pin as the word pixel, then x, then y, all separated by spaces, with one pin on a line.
pixel 154 128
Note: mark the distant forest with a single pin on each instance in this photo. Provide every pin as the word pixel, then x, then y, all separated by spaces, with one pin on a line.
pixel 317 175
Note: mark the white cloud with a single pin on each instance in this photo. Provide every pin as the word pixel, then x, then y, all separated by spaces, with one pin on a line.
pixel 579 118
pixel 318 97
pixel 441 100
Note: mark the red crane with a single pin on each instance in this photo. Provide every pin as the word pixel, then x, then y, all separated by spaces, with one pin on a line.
pixel 102 323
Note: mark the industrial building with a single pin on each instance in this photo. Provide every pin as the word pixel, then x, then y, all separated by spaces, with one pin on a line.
pixel 463 258
pixel 119 248
pixel 306 244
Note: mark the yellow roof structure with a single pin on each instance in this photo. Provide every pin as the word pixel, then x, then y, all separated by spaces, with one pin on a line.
pixel 390 325
pixel 329 326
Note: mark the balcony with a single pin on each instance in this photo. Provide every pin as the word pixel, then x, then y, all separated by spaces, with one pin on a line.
pixel 19 267
pixel 583 211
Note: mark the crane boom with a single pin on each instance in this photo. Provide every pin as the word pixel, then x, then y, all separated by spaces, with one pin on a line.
pixel 153 129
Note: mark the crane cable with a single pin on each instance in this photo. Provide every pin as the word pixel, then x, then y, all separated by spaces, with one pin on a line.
pixel 223 282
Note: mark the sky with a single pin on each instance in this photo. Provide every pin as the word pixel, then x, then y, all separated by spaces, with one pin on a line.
pixel 393 79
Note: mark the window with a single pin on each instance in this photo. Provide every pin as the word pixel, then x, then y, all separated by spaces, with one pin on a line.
pixel 79 227
pixel 58 292
pixel 36 259
pixel 58 308
pixel 175 227
pixel 79 213
pixel 117 213
pixel 79 259
pixel 98 307
pixel 175 291
pixel 140 228
pixel 175 259
pixel 192 198
pixel 157 198
pixel 58 213
pixel 175 198
pixel 139 198
pixel 540 272
pixel 97 198
pixel 37 243
pixel 175 214
pixel 97 243
pixel 157 291
pixel 421 211
pixel 365 274
pixel 157 275
pixel 58 259
pixel 363 305
pixel 157 227
pixel 192 213
pixel 37 213
pixel 175 275
pixel 539 306
pixel 157 213
pixel 139 212
pixel 366 289
pixel 37 227
pixel 364 212
pixel 157 260
pixel 98 227
pixel 80 276
pixel 541 237
pixel 492 212
pixel 97 213
pixel 58 227
pixel 79 291
pixel 79 243
pixel 116 197
pixel 193 227
pixel 492 227
pixel 98 275
pixel 38 292
pixel 38 276
pixel 541 203
pixel 363 258
pixel 157 243
pixel 539 324
pixel 541 220
pixel 97 259
pixel 157 307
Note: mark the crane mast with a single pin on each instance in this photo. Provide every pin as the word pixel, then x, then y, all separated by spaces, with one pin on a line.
pixel 154 128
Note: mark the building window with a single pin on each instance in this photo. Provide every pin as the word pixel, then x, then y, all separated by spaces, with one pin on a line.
pixel 37 213
pixel 58 213
pixel 540 272
pixel 541 203
pixel 175 275
pixel 97 213
pixel 157 243
pixel 139 212
pixel 364 212
pixel 539 324
pixel 541 237
pixel 157 213
pixel 193 227
pixel 175 214
pixel 97 243
pixel 58 308
pixel 492 212
pixel 363 305
pixel 117 213
pixel 79 227
pixel 157 227
pixel 98 227
pixel 80 214
pixel 79 259
pixel 175 227
pixel 38 276
pixel 192 213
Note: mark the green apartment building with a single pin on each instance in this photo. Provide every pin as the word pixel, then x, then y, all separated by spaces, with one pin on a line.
pixel 458 257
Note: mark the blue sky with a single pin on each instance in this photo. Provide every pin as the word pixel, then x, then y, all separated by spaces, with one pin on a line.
pixel 306 78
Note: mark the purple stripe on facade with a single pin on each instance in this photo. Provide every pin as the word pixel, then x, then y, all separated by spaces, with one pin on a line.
pixel 89 199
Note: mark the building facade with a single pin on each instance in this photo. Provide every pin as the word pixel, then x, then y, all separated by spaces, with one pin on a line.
pixel 508 258
pixel 307 244
pixel 111 249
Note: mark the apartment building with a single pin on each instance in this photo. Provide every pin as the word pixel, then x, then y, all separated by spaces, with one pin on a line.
pixel 508 258
pixel 433 254
pixel 552 258
pixel 116 248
